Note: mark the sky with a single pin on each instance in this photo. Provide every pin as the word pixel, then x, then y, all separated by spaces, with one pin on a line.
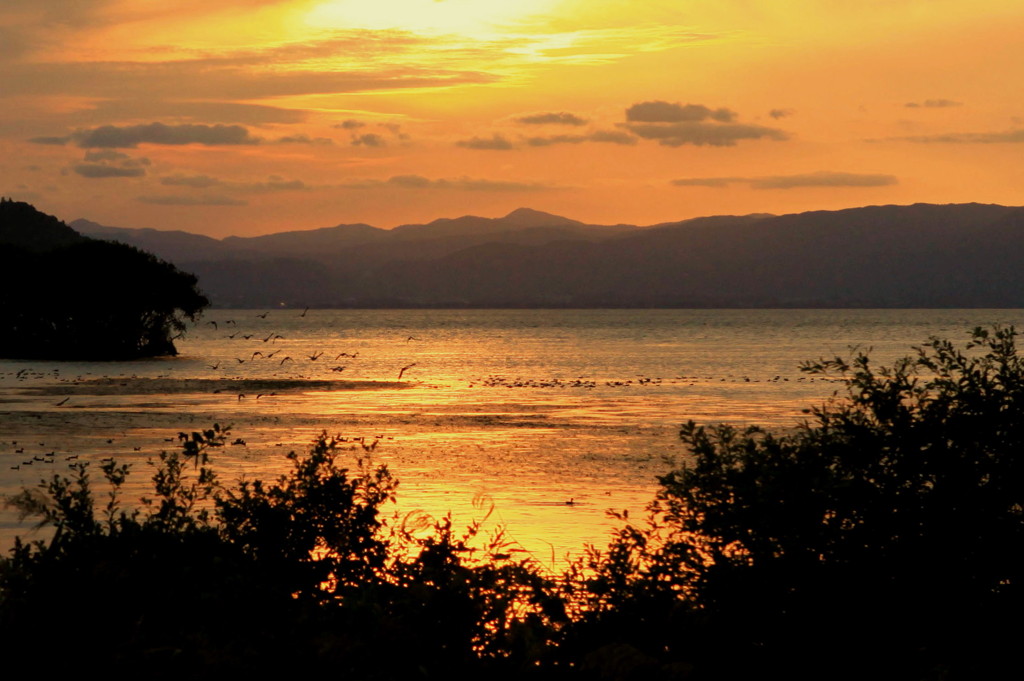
pixel 244 117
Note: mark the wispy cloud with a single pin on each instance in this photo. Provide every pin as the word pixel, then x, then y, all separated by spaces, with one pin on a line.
pixel 303 139
pixel 458 183
pixel 177 200
pixel 272 184
pixel 672 112
pixel 98 171
pixel 369 139
pixel 495 142
pixel 1015 136
pixel 818 179
pixel 700 133
pixel 130 136
pixel 607 136
pixel 933 104
pixel 551 118
pixel 196 181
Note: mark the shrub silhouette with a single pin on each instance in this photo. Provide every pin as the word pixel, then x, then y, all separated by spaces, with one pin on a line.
pixel 881 539
pixel 298 574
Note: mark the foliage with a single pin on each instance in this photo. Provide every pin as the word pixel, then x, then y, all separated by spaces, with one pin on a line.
pixel 881 538
pixel 299 573
pixel 69 297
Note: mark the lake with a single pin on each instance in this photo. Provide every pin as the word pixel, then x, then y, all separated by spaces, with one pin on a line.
pixel 520 411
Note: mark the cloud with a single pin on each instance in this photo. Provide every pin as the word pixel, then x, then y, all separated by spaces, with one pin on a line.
pixel 1007 137
pixel 96 171
pixel 12 43
pixel 106 155
pixel 369 139
pixel 463 183
pixel 212 200
pixel 701 133
pixel 819 179
pixel 668 112
pixel 673 124
pixel 197 111
pixel 334 62
pixel 823 179
pixel 222 79
pixel 612 136
pixel 55 141
pixel 273 184
pixel 303 139
pixel 130 136
pixel 933 104
pixel 458 184
pixel 608 136
pixel 197 181
pixel 780 113
pixel 708 181
pixel 495 142
pixel 350 124
pixel 551 118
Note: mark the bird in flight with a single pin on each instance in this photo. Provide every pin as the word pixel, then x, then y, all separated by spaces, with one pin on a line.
pixel 404 369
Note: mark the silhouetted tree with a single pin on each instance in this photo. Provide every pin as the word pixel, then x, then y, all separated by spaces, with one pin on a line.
pixel 63 296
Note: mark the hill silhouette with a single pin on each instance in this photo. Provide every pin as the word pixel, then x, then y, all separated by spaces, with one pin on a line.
pixel 922 255
pixel 65 296
pixel 22 226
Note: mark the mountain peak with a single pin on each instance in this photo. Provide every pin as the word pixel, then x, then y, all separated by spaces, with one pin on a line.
pixel 528 217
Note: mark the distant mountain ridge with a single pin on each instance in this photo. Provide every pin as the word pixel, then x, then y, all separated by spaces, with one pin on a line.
pixel 922 255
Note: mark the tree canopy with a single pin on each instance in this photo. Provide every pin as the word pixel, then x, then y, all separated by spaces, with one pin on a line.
pixel 63 296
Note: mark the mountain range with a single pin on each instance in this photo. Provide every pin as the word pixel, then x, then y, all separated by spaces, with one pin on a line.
pixel 922 255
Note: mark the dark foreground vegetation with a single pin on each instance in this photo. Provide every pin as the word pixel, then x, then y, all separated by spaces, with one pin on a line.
pixel 881 540
pixel 65 296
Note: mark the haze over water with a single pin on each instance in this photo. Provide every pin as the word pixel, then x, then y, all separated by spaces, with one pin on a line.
pixel 525 409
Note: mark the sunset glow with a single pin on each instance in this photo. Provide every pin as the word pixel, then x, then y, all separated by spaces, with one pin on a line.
pixel 255 116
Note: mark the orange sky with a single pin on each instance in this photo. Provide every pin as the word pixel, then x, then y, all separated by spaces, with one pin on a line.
pixel 266 115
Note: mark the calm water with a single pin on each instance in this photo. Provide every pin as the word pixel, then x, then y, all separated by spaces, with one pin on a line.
pixel 525 409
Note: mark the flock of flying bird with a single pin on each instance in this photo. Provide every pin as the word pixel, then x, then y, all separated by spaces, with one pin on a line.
pixel 266 352
pixel 273 337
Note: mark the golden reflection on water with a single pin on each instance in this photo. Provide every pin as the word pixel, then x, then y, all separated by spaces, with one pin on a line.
pixel 528 408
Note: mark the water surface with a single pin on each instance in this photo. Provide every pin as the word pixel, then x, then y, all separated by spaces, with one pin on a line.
pixel 528 409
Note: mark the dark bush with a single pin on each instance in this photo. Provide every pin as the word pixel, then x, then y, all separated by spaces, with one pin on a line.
pixel 301 574
pixel 882 539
